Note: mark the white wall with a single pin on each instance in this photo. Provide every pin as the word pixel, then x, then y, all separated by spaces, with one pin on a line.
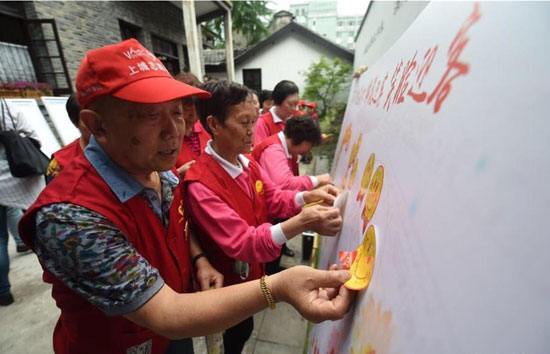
pixel 385 23
pixel 287 59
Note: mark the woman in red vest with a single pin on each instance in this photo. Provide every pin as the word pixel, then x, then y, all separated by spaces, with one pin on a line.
pixel 65 155
pixel 285 98
pixel 195 137
pixel 275 154
pixel 110 231
pixel 231 201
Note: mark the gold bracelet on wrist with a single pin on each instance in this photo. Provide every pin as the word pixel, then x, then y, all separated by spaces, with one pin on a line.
pixel 267 293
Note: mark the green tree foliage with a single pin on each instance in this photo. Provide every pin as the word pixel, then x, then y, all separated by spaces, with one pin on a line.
pixel 249 18
pixel 324 81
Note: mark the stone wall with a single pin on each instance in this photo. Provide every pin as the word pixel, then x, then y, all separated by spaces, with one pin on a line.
pixel 85 25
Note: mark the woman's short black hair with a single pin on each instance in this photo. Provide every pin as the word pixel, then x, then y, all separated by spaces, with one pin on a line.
pixel 265 95
pixel 224 95
pixel 282 90
pixel 73 109
pixel 303 128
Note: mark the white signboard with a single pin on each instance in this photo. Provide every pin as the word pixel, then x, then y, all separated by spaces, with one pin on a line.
pixel 60 118
pixel 445 152
pixel 30 110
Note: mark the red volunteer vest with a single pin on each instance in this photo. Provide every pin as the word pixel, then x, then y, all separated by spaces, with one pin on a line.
pixel 274 139
pixel 186 153
pixel 209 172
pixel 273 127
pixel 63 157
pixel 81 327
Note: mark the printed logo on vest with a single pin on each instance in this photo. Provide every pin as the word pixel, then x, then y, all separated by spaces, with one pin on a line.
pixel 180 211
pixel 143 348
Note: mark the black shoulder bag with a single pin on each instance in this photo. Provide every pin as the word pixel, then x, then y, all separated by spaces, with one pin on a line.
pixel 23 152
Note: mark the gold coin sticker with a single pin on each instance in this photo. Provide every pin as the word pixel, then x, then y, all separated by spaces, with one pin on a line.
pixel 352 163
pixel 355 150
pixel 353 173
pixel 373 196
pixel 367 174
pixel 363 265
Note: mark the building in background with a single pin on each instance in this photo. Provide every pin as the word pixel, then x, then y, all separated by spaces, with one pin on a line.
pixel 45 41
pixel 322 18
pixel 286 54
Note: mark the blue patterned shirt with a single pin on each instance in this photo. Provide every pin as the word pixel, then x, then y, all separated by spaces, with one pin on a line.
pixel 90 255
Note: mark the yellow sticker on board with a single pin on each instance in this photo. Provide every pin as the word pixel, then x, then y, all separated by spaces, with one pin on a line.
pixel 363 266
pixel 373 196
pixel 259 187
pixel 367 174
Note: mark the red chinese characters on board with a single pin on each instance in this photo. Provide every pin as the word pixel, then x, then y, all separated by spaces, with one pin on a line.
pixel 408 76
pixel 421 74
pixel 455 68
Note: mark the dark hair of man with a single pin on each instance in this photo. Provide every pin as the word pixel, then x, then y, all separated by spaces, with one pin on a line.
pixel 73 109
pixel 282 90
pixel 188 78
pixel 303 128
pixel 224 95
pixel 265 95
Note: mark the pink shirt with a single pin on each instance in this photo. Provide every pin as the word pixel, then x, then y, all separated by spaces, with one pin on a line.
pixel 276 162
pixel 233 235
pixel 261 130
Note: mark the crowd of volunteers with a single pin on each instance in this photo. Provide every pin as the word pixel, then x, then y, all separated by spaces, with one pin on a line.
pixel 167 218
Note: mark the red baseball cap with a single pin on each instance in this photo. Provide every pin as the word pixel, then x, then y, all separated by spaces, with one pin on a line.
pixel 129 71
pixel 311 105
pixel 301 102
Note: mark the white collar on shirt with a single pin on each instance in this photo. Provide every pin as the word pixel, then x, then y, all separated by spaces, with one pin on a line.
pixel 282 137
pixel 234 171
pixel 276 118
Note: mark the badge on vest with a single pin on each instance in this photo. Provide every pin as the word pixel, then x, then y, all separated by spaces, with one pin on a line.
pixel 241 268
pixel 259 187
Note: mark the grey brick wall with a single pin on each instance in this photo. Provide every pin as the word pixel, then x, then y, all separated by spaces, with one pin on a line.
pixel 85 25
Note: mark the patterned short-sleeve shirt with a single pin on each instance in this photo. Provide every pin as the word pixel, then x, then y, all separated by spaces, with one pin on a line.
pixel 90 255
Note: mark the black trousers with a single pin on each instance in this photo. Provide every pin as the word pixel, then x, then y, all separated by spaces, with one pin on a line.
pixel 235 337
pixel 181 346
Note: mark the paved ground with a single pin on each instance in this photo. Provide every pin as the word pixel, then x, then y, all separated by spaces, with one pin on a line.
pixel 27 325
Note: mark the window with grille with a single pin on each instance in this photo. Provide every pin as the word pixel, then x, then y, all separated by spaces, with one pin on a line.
pixel 252 78
pixel 128 31
pixel 167 52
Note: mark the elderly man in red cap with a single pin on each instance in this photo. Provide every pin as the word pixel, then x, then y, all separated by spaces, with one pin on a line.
pixel 110 231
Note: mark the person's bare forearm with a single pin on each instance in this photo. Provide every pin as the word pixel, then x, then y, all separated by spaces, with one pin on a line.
pixel 177 316
pixel 296 225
